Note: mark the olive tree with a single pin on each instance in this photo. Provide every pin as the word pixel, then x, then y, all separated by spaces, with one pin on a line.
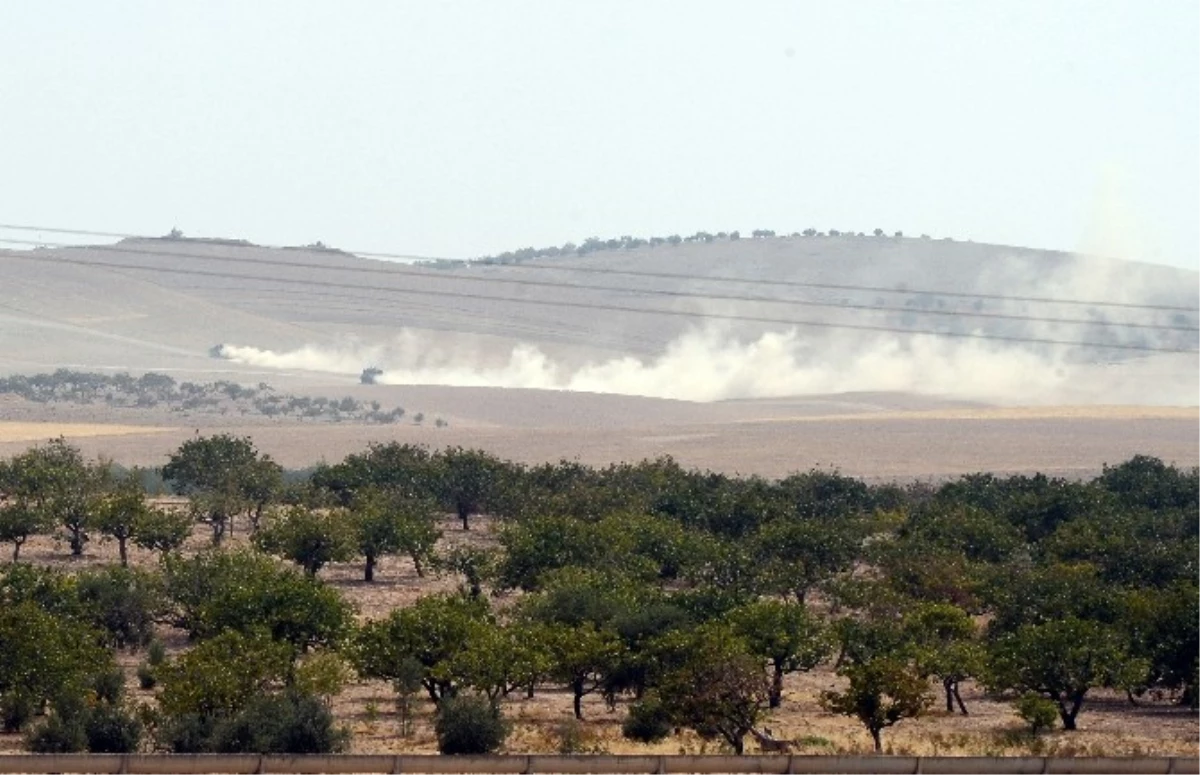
pixel 786 635
pixel 882 692
pixel 1062 661
pixel 386 522
pixel 223 475
pixel 716 687
pixel 310 538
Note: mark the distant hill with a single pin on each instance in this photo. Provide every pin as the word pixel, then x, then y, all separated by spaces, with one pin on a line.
pixel 163 304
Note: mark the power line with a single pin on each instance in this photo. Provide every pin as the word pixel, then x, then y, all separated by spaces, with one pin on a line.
pixel 397 271
pixel 639 273
pixel 596 306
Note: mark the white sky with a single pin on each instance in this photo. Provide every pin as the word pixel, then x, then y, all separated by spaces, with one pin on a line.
pixel 465 128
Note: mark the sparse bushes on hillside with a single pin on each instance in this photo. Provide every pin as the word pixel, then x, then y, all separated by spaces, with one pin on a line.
pixel 121 391
pixel 626 242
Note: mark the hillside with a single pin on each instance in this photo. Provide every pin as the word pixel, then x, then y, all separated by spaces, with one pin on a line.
pixel 162 304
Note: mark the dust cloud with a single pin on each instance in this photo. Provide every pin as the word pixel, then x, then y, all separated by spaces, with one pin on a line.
pixel 720 361
pixel 712 364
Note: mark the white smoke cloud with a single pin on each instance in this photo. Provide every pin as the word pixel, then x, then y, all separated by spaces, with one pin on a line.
pixel 711 364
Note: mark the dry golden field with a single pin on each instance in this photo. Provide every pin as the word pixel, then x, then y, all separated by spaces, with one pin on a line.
pixel 884 438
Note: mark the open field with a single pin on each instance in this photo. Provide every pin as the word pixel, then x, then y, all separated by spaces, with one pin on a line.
pixel 21 432
pixel 884 444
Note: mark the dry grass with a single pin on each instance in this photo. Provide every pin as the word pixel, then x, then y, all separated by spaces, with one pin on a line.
pixel 11 432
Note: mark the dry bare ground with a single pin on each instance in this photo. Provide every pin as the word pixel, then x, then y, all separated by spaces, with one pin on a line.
pixel 886 438
pixel 1108 726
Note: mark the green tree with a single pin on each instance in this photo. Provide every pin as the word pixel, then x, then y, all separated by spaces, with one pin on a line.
pixel 794 556
pixel 786 635
pixel 20 519
pixel 121 513
pixel 122 602
pixel 56 481
pixel 215 591
pixel 945 640
pixel 976 534
pixel 47 658
pixel 1020 595
pixel 240 692
pixel 1038 712
pixel 1163 626
pixel 308 537
pixel 882 692
pixel 261 485
pixel 1148 482
pixel 466 480
pixel 220 675
pixel 581 657
pixel 496 660
pixel 717 688
pixel 474 564
pixel 648 721
pixel 223 475
pixel 1062 661
pixel 161 530
pixel 402 470
pixel 386 523
pixel 432 631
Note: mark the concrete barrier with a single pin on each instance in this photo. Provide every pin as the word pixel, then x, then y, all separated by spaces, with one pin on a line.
pixel 222 764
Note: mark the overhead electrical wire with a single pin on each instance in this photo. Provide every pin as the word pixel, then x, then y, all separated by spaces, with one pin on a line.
pixel 27 256
pixel 629 272
pixel 491 280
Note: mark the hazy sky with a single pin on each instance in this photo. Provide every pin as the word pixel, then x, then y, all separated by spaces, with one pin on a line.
pixel 465 128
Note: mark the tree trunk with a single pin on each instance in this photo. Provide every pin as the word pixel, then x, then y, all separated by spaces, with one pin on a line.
pixel 17 549
pixel 76 541
pixel 948 685
pixel 775 696
pixel 369 573
pixel 577 687
pixel 529 690
pixel 739 744
pixel 958 699
pixel 121 548
pixel 465 516
pixel 878 740
pixel 1068 714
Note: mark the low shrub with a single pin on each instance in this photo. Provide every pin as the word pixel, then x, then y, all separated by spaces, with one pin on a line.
pixel 647 722
pixel 1037 711
pixel 469 725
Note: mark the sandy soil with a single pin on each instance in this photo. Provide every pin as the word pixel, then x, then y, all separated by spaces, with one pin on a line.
pixel 881 444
